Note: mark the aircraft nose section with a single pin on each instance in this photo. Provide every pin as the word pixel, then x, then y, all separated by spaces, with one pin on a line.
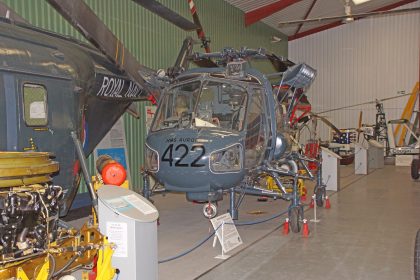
pixel 184 160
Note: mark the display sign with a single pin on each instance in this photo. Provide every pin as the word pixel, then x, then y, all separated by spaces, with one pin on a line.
pixel 117 234
pixel 226 232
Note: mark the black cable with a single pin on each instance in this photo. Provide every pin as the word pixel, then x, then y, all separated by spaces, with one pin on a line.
pixel 255 222
pixel 190 250
pixel 214 231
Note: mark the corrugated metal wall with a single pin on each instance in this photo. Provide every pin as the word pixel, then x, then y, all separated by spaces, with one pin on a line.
pixel 156 42
pixel 369 59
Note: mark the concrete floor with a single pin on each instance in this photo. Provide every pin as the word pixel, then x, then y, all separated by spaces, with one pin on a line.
pixel 367 234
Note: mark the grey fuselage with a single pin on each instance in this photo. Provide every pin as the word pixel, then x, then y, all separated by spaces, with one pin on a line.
pixel 81 91
pixel 184 152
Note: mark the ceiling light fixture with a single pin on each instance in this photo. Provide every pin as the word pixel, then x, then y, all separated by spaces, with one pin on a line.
pixel 357 2
pixel 275 39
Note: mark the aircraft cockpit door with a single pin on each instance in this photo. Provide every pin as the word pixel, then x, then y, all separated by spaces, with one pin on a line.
pixel 257 129
pixel 47 113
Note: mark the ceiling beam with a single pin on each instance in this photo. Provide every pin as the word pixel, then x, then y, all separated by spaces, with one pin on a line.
pixel 265 11
pixel 338 23
pixel 306 16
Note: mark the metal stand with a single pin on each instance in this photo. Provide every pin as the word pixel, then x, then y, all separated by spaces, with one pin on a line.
pixel 330 169
pixel 222 256
pixel 315 220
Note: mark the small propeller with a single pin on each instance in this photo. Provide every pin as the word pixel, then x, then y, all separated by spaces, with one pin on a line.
pixel 327 122
pixel 359 127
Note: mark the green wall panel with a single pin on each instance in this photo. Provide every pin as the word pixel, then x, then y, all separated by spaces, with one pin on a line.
pixel 155 42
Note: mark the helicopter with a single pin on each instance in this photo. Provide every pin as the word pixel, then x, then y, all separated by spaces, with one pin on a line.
pixel 223 128
pixel 270 144
pixel 114 79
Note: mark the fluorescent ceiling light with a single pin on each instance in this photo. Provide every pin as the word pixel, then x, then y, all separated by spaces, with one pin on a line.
pixel 357 2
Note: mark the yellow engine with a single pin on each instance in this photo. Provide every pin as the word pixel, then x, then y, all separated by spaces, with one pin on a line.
pixel 34 244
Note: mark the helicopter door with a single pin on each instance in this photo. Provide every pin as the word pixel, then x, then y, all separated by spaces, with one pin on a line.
pixel 8 113
pixel 256 130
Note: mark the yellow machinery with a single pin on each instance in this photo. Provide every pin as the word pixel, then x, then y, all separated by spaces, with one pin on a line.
pixel 269 183
pixel 34 244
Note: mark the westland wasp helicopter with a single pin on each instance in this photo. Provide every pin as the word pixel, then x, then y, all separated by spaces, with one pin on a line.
pixel 220 129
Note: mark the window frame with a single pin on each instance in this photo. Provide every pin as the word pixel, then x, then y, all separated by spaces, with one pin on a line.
pixel 26 114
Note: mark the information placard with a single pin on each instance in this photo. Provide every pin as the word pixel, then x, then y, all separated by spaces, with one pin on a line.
pixel 226 232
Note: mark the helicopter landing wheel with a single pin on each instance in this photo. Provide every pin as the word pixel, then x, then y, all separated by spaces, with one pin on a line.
pixel 209 210
pixel 415 166
pixel 319 196
pixel 294 217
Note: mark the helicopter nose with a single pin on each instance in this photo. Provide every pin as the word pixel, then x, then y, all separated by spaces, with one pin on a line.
pixel 196 160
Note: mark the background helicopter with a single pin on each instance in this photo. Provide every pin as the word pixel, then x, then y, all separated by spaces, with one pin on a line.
pixel 223 128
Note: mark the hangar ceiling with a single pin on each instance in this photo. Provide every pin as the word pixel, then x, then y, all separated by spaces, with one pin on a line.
pixel 272 12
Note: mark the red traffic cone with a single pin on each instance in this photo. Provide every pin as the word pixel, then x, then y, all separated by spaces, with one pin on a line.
pixel 305 232
pixel 286 227
pixel 327 202
pixel 311 205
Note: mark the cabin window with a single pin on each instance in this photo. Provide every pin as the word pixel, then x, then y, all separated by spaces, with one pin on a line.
pixel 35 105
pixel 221 105
pixel 255 141
pixel 177 104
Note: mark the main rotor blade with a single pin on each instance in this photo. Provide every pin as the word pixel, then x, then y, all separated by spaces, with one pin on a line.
pixel 354 16
pixel 279 64
pixel 166 13
pixel 96 32
pixel 205 62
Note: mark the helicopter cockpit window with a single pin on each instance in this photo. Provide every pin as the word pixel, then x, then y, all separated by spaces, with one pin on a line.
pixel 221 105
pixel 35 105
pixel 256 130
pixel 177 106
pixel 216 105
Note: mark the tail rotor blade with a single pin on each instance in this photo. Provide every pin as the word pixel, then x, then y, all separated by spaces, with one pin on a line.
pixel 200 32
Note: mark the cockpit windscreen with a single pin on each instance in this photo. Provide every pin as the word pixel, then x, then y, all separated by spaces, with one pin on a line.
pixel 203 104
